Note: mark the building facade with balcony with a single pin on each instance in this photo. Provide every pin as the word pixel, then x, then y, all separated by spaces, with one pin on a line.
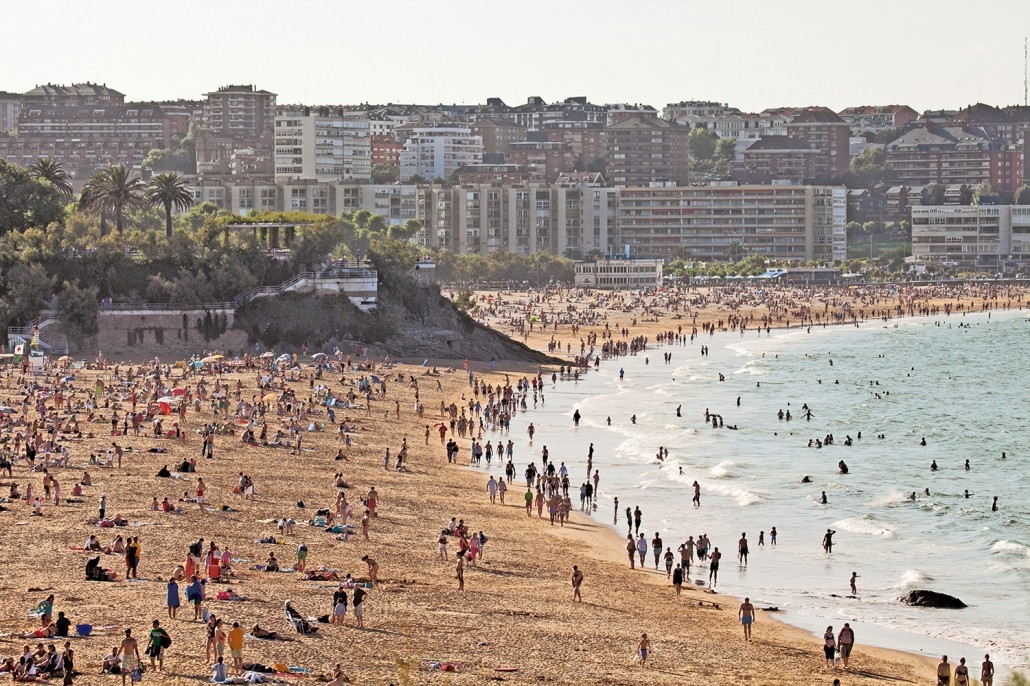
pixel 728 221
pixel 323 145
pixel 955 155
pixel 437 152
pixel 985 236
pixel 243 112
pixel 642 150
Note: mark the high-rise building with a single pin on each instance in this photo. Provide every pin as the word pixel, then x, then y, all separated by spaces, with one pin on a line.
pixel 641 150
pixel 10 108
pixel 242 112
pixel 829 136
pixel 323 144
pixel 437 152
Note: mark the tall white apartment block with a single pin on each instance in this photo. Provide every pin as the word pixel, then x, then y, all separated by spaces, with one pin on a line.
pixel 436 152
pixel 322 145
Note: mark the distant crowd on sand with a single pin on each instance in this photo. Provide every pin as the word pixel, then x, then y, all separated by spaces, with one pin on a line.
pixel 737 306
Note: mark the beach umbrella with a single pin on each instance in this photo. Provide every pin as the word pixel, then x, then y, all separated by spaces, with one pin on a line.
pixel 376 379
pixel 166 408
pixel 218 357
pixel 167 399
pixel 270 397
pixel 318 356
pixel 7 410
pixel 178 391
pixel 267 354
pixel 63 358
pixel 209 360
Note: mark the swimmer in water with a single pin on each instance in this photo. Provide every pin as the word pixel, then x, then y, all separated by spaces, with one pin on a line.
pixel 922 441
pixel 967 465
pixel 806 479
pixel 926 492
pixel 824 498
pixel 933 466
pixel 913 496
pixel 994 504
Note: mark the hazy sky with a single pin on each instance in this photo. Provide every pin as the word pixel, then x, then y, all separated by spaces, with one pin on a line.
pixel 752 54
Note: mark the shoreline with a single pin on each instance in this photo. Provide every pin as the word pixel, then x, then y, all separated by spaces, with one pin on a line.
pixel 921 647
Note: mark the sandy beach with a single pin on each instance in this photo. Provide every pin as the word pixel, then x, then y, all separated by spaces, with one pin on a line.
pixel 516 611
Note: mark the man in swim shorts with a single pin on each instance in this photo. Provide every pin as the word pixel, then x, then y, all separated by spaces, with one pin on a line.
pixel 129 650
pixel 746 614
pixel 845 642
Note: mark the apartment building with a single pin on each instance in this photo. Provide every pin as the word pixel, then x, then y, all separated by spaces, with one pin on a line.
pixel 84 137
pixel 322 144
pixel 76 95
pixel 582 137
pixel 779 158
pixel 541 160
pixel 987 236
pixel 560 219
pixel 10 108
pixel 783 222
pixel 878 118
pixel 641 150
pixel 394 202
pixel 498 133
pixel 955 155
pixel 829 136
pixel 437 152
pixel 242 112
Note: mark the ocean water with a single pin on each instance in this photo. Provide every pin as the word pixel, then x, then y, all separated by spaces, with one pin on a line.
pixel 959 381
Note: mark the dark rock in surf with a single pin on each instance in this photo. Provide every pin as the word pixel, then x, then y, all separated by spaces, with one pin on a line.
pixel 932 599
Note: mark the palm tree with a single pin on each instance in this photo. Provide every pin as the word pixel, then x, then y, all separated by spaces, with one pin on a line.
pixel 112 190
pixel 169 191
pixel 49 170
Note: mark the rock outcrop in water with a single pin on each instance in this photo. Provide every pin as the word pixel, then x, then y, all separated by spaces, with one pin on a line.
pixel 932 599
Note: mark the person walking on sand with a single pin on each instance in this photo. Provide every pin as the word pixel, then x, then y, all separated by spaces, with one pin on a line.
pixel 746 615
pixel 643 650
pixel 642 550
pixel 577 582
pixel 129 650
pixel 944 672
pixel 961 673
pixel 987 672
pixel 854 587
pixel 829 646
pixel 631 549
pixel 158 639
pixel 845 642
pixel 459 571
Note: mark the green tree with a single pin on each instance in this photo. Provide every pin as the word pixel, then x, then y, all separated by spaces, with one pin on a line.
pixel 77 312
pixel 170 160
pixel 113 190
pixel 869 169
pixel 27 288
pixel 383 173
pixel 170 192
pixel 25 201
pixel 1022 196
pixel 702 144
pixel 982 191
pixel 933 194
pixel 46 169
